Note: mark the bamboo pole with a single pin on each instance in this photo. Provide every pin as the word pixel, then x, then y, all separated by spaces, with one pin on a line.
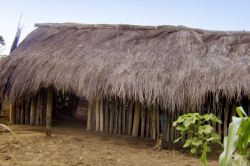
pixel 106 115
pixel 32 112
pixel 135 130
pixel 12 113
pixel 101 116
pixel 49 111
pixel 153 123
pixel 142 122
pixel 90 114
pixel 97 115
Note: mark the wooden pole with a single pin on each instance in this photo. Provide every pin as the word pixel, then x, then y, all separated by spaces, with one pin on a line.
pixel 153 123
pixel 142 122
pixel 124 113
pixel 97 115
pixel 32 112
pixel 27 111
pixel 12 113
pixel 157 121
pixel 119 127
pixel 116 117
pixel 226 118
pixel 148 123
pixel 101 116
pixel 49 111
pixel 112 112
pixel 90 112
pixel 130 117
pixel 38 102
pixel 106 115
pixel 164 127
pixel 22 112
pixel 135 130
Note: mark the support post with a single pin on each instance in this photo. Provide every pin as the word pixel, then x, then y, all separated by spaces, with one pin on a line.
pixel 143 121
pixel 97 115
pixel 90 112
pixel 32 112
pixel 101 116
pixel 130 117
pixel 106 115
pixel 12 113
pixel 136 122
pixel 49 111
pixel 153 123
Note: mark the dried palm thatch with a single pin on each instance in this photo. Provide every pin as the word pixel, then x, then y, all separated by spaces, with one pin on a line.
pixel 175 67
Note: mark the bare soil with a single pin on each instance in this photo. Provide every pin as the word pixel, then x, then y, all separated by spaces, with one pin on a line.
pixel 74 146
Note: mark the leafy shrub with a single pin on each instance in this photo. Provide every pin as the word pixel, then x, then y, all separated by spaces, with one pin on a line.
pixel 198 131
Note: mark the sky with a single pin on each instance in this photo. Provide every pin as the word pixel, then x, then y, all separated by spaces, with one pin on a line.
pixel 205 14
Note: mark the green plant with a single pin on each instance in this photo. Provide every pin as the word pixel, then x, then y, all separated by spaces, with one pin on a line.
pixel 198 131
pixel 236 144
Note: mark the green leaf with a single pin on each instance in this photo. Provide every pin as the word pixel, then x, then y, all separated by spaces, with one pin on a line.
pixel 230 142
pixel 244 135
pixel 240 111
pixel 206 129
pixel 193 150
pixel 203 158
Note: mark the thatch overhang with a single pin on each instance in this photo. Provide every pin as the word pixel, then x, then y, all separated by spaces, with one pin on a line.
pixel 175 67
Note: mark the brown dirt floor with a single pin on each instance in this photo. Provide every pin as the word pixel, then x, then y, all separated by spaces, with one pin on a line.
pixel 74 146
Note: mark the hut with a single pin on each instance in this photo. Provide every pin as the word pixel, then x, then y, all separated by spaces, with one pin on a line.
pixel 129 79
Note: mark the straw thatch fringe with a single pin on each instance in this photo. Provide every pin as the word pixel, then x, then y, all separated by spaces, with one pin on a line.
pixel 173 67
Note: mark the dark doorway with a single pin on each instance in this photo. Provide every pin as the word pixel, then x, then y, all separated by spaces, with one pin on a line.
pixel 69 110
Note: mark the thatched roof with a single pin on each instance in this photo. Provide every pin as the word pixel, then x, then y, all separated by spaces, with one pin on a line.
pixel 173 66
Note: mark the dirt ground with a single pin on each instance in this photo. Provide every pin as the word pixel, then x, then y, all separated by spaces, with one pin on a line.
pixel 72 146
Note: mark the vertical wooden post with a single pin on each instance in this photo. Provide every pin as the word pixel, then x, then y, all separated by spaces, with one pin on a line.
pixel 32 112
pixel 226 113
pixel 148 123
pixel 124 117
pixel 136 123
pixel 37 109
pixel 157 121
pixel 90 112
pixel 27 111
pixel 97 115
pixel 153 124
pixel 112 112
pixel 130 117
pixel 101 116
pixel 12 113
pixel 164 127
pixel 106 115
pixel 49 111
pixel 22 112
pixel 116 117
pixel 143 121
pixel 119 127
